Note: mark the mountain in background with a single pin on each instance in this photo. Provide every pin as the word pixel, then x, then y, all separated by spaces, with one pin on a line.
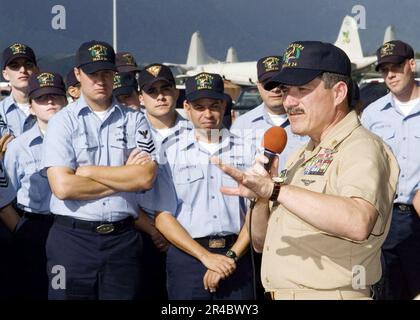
pixel 160 30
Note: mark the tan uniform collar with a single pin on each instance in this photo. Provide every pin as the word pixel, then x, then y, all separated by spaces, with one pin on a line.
pixel 337 134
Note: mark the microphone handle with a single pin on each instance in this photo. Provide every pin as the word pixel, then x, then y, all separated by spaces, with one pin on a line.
pixel 270 155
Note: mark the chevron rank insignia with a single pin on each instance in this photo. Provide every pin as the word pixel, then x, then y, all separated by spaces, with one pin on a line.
pixel 4 181
pixel 148 146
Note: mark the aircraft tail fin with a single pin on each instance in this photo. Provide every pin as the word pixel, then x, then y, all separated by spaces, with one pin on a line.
pixel 197 53
pixel 389 34
pixel 348 39
pixel 231 56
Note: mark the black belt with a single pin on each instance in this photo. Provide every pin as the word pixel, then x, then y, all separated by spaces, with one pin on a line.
pixel 101 227
pixel 404 207
pixel 217 242
pixel 37 216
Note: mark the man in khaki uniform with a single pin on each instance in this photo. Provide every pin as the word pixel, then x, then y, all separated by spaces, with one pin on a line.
pixel 330 211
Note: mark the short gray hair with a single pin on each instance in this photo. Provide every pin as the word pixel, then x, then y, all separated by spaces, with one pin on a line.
pixel 331 79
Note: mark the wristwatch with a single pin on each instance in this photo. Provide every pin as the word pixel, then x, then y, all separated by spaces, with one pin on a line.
pixel 231 254
pixel 276 191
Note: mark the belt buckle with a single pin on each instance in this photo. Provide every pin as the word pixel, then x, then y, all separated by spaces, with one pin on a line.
pixel 105 228
pixel 217 243
pixel 404 207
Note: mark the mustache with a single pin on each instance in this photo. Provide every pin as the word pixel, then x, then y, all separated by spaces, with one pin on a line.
pixel 292 111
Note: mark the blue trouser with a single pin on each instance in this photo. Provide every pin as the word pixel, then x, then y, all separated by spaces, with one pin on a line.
pixel 6 267
pixel 185 278
pixel 401 258
pixel 97 266
pixel 29 239
pixel 153 271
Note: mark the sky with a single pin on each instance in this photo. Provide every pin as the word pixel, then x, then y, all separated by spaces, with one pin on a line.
pixel 160 30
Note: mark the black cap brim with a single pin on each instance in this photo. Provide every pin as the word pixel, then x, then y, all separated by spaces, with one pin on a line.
pixel 390 59
pixel 47 90
pixel 127 69
pixel 292 77
pixel 123 91
pixel 205 94
pixel 147 85
pixel 98 66
pixel 17 56
pixel 72 84
pixel 267 76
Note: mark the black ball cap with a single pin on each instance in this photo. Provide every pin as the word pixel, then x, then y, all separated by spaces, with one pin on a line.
pixel 71 79
pixel 42 83
pixel 393 52
pixel 153 73
pixel 18 50
pixel 268 67
pixel 204 85
pixel 125 62
pixel 124 83
pixel 303 61
pixel 95 56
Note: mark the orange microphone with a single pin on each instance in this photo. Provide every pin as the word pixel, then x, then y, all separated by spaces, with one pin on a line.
pixel 274 142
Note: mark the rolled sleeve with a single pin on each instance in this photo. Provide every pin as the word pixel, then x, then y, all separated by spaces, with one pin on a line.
pixel 11 164
pixel 58 149
pixel 369 173
pixel 162 196
pixel 143 134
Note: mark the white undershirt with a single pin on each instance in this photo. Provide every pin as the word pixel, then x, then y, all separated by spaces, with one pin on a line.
pixel 406 107
pixel 278 119
pixel 164 132
pixel 210 147
pixel 24 107
pixel 101 114
pixel 213 147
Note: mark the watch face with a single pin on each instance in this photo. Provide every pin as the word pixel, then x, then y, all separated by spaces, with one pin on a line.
pixel 231 254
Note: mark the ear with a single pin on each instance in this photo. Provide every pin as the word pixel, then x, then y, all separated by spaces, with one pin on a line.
pixel 141 98
pixel 5 75
pixel 340 92
pixel 31 110
pixel 77 73
pixel 187 108
pixel 412 64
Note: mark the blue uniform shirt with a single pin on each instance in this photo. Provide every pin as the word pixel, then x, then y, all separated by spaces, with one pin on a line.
pixel 15 119
pixel 162 197
pixel 7 192
pixel 23 165
pixel 252 125
pixel 76 137
pixel 202 209
pixel 402 134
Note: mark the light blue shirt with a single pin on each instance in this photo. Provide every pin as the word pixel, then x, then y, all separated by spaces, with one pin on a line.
pixel 15 119
pixel 7 192
pixel 252 125
pixel 76 137
pixel 23 164
pixel 402 134
pixel 202 209
pixel 162 196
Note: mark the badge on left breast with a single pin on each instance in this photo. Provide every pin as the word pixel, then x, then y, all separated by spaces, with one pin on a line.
pixel 319 164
